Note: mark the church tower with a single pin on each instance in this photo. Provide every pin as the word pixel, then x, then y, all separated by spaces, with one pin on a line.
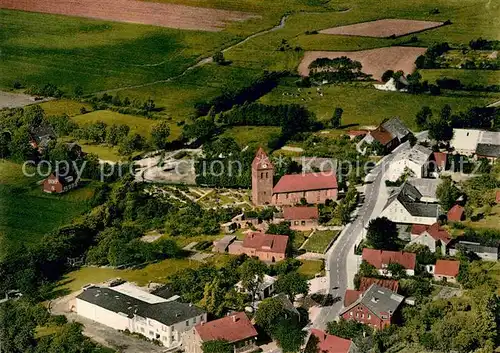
pixel 262 178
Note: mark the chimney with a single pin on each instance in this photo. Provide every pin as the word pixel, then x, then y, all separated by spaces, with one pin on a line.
pixel 234 318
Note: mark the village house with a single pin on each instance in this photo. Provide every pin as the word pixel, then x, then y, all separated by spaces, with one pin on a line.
pixel 126 307
pixel 427 188
pixel 267 247
pixel 332 344
pixel 351 295
pixel 236 329
pixel 484 252
pixel 41 135
pixel 60 183
pixel 406 205
pixel 315 188
pixel 478 143
pixel 222 245
pixel 391 133
pixel 445 270
pixel 377 307
pixel 488 151
pixel 301 218
pixel 434 237
pixel 415 162
pixel 456 214
pixel 266 288
pixel 381 259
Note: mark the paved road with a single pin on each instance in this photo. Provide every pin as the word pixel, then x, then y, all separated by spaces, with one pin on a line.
pixel 338 256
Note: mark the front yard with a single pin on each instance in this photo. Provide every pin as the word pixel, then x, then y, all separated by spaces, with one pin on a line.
pixel 319 241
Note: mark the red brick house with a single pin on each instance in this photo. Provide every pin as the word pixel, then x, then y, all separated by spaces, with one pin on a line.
pixel 301 218
pixel 332 344
pixel 377 307
pixel 446 270
pixel 456 214
pixel 235 329
pixel 352 295
pixel 382 258
pixel 59 184
pixel 267 247
pixel 434 237
pixel 291 188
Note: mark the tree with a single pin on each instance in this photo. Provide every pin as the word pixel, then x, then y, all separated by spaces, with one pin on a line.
pixel 336 118
pixel 251 275
pixel 214 298
pixel 440 129
pixel 78 92
pixel 397 270
pixel 217 346
pixel 423 116
pixel 292 284
pixel 382 234
pixel 412 139
pixel 159 135
pixel 348 329
pixel 17 328
pixel 149 105
pixel 219 58
pixel 270 311
pixel 386 76
pixel 289 335
pixel 447 193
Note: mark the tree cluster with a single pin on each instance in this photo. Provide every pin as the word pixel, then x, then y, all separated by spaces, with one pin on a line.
pixel 335 70
pixel 124 106
pixel 430 60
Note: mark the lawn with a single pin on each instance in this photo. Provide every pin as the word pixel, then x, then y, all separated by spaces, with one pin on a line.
pixel 253 136
pixel 310 268
pixel 157 272
pixel 28 213
pixel 319 241
pixel 491 221
pixel 64 106
pixel 363 105
pixel 467 77
pixel 139 125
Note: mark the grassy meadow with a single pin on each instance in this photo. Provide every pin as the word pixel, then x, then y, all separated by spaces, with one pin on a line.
pixel 27 213
pixel 467 77
pixel 139 125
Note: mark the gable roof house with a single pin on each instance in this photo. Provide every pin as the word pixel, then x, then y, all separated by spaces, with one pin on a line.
pixel 332 344
pixel 407 205
pixel 456 214
pixel 377 307
pixel 391 133
pixel 59 183
pixel 434 237
pixel 381 259
pixel 445 270
pixel 127 308
pixel 415 161
pixel 427 188
pixel 301 218
pixel 267 247
pixel 488 151
pixel 352 295
pixel 236 329
pixel 41 135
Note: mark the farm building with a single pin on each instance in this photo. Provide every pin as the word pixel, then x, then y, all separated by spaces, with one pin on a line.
pixel 484 252
pixel 446 270
pixel 479 143
pixel 415 162
pixel 391 133
pixel 58 184
pixel 126 307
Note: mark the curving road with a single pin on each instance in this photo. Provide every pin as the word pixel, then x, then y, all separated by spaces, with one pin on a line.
pixel 340 263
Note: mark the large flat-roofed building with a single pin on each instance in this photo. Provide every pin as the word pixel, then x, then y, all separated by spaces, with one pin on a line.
pixel 126 307
pixel 471 142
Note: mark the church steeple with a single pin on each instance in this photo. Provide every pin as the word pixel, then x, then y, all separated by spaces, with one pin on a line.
pixel 262 178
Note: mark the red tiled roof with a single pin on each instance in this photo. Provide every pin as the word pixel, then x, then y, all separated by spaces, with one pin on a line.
pixel 440 158
pixel 234 328
pixel 390 284
pixel 434 230
pixel 266 242
pixel 381 135
pixel 357 132
pixel 378 258
pixel 300 212
pixel 456 213
pixel 447 268
pixel 351 296
pixel 261 160
pixel 330 343
pixel 306 182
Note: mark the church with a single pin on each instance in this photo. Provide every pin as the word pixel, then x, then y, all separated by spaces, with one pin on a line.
pixel 316 188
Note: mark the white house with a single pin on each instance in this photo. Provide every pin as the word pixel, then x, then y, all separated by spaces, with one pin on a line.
pixel 266 289
pixel 466 141
pixel 127 307
pixel 415 161
pixel 434 237
pixel 405 206
pixel 391 85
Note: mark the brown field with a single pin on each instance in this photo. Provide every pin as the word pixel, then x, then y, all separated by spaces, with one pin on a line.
pixel 374 61
pixel 156 14
pixel 383 28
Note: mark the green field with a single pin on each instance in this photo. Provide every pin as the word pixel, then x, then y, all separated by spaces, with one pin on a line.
pixel 253 136
pixel 64 106
pixel 319 241
pixel 28 213
pixel 364 105
pixel 467 77
pixel 139 125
